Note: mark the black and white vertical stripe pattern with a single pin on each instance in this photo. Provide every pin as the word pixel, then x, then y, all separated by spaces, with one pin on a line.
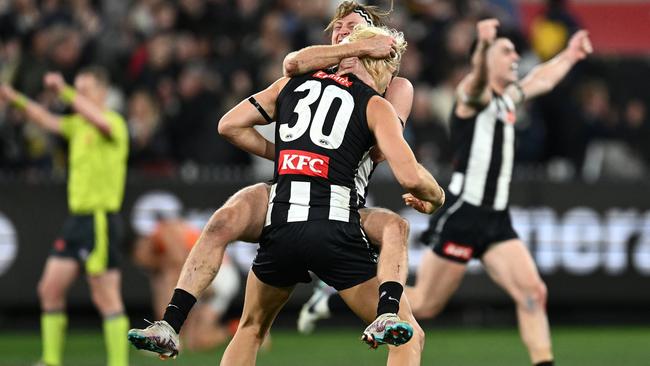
pixel 362 178
pixel 485 180
pixel 296 205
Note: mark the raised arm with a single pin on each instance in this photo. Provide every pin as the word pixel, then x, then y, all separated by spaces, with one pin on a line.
pixel 34 111
pixel 383 122
pixel 546 76
pixel 320 57
pixel 88 109
pixel 473 91
pixel 237 125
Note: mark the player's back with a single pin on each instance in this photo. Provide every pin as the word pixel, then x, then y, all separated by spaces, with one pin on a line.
pixel 321 138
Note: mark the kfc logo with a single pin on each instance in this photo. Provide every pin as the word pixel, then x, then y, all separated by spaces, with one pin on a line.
pixel 457 251
pixel 303 163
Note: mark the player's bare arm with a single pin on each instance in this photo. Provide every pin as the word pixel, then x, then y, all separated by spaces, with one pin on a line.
pixel 34 111
pixel 320 57
pixel 473 91
pixel 236 126
pixel 383 122
pixel 543 78
pixel 89 109
pixel 400 95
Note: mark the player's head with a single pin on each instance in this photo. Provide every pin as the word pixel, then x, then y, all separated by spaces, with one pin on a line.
pixel 93 82
pixel 349 14
pixel 503 61
pixel 381 70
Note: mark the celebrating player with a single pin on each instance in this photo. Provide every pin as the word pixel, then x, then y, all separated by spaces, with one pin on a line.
pixel 475 220
pixel 312 223
pixel 242 217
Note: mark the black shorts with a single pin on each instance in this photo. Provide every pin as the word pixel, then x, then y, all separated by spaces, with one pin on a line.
pixel 460 231
pixel 337 252
pixel 92 240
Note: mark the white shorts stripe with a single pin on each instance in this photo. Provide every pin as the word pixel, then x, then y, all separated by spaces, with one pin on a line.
pixel 339 203
pixel 299 200
pixel 270 209
pixel 447 215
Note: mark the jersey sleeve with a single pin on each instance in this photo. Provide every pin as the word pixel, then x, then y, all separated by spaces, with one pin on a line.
pixel 68 125
pixel 119 131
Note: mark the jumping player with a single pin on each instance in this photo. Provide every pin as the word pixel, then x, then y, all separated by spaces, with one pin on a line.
pixel 242 216
pixel 475 220
pixel 314 189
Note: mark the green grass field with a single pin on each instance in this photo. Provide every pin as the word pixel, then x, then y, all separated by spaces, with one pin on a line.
pixel 606 346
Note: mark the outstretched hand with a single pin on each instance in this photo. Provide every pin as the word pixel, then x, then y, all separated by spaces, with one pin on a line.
pixel 579 45
pixel 487 30
pixel 418 204
pixel 54 81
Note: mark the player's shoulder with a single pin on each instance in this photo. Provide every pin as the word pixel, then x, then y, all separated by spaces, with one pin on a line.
pixel 400 84
pixel 378 105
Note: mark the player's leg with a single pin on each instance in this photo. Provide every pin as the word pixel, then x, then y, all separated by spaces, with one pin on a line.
pixel 58 275
pixel 389 230
pixel 107 297
pixel 437 280
pixel 206 330
pixel 363 298
pixel 104 279
pixel 262 303
pixel 383 228
pixel 240 218
pixel 510 265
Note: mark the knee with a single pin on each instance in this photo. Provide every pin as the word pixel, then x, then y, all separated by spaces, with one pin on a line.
pixel 398 225
pixel 222 223
pixel 534 296
pixel 253 330
pixel 49 293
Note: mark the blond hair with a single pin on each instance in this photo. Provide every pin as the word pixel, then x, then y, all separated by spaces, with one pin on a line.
pixel 377 67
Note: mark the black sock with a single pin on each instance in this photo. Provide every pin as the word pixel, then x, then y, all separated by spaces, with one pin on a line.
pixel 336 305
pixel 390 293
pixel 178 308
pixel 545 363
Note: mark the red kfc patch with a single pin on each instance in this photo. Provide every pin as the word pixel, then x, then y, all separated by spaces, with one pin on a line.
pixel 303 163
pixel 459 251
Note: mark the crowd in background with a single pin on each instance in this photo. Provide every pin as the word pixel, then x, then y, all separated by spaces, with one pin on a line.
pixel 177 66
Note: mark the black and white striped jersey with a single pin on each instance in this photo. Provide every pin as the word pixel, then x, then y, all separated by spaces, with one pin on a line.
pixel 484 154
pixel 321 140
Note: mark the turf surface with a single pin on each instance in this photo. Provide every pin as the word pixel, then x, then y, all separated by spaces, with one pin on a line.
pixel 606 346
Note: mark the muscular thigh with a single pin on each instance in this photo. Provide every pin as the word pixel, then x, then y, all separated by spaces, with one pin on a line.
pixel 249 207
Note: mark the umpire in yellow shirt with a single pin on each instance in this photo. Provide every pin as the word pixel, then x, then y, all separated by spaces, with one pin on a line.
pixel 98 149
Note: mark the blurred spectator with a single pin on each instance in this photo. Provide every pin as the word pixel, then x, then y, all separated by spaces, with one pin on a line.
pixel 149 148
pixel 153 47
pixel 550 32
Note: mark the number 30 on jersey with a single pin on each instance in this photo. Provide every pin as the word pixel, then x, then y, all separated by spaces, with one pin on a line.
pixel 331 92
